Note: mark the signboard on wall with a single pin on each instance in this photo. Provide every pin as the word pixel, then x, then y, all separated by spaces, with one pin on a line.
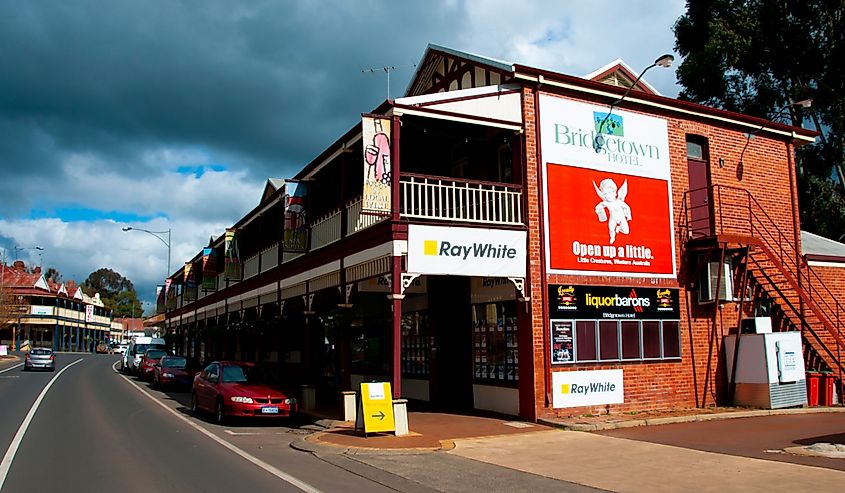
pixel 562 346
pixel 608 208
pixel 466 251
pixel 89 313
pixel 568 301
pixel 587 388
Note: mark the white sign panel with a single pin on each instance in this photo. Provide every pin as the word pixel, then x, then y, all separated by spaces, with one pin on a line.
pixel 89 313
pixel 587 388
pixel 41 310
pixel 466 251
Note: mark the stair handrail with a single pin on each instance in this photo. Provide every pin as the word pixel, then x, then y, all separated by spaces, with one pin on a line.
pixel 790 259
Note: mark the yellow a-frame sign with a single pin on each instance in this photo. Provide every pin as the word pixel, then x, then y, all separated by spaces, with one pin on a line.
pixel 375 408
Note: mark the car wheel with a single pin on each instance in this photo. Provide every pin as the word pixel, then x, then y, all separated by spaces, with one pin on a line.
pixel 219 415
pixel 195 405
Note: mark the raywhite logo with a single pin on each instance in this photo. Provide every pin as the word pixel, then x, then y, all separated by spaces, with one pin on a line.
pixel 478 250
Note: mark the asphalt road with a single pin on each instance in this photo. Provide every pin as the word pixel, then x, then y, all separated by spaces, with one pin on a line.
pixel 96 431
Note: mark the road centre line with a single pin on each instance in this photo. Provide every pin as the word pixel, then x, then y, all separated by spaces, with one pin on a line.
pixel 12 368
pixel 6 463
pixel 243 454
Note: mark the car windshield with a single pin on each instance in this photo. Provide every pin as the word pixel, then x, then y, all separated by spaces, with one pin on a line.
pixel 174 362
pixel 41 352
pixel 142 348
pixel 155 353
pixel 246 374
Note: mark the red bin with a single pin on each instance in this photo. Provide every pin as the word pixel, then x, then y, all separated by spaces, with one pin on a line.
pixel 813 389
pixel 826 389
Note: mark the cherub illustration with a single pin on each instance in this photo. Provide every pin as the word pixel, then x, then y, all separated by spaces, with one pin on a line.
pixel 617 209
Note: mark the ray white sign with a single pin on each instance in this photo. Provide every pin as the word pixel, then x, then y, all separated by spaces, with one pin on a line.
pixel 587 388
pixel 466 251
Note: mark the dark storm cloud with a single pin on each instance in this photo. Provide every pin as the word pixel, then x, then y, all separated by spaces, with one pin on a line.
pixel 268 84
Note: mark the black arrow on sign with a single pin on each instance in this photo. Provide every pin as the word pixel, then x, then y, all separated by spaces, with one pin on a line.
pixel 380 415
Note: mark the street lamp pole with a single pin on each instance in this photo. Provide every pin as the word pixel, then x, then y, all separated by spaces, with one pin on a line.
pixel 157 234
pixel 664 61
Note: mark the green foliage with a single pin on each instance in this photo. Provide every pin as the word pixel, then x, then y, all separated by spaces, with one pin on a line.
pixel 117 292
pixel 758 56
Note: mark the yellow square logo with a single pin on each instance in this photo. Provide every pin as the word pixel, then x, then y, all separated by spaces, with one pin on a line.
pixel 564 388
pixel 430 247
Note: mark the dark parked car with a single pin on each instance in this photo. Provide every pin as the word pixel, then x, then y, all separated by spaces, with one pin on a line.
pixel 148 361
pixel 174 371
pixel 41 358
pixel 239 389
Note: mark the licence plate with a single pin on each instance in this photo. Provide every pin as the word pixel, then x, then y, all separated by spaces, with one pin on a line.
pixel 270 410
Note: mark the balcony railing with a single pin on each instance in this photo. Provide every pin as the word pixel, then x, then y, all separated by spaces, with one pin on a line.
pixel 428 197
pixel 325 230
pixel 356 220
pixel 269 257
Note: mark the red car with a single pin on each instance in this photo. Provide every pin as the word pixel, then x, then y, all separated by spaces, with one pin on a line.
pixel 148 361
pixel 239 389
pixel 174 371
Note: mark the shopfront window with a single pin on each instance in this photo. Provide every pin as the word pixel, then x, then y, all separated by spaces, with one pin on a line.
pixel 496 360
pixel 630 340
pixel 416 344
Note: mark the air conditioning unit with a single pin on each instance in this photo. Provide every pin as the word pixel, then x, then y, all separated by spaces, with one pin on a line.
pixel 710 277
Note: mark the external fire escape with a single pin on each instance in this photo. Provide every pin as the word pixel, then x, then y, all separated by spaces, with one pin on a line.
pixel 770 276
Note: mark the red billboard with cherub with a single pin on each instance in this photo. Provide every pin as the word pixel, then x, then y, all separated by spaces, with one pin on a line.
pixel 607 191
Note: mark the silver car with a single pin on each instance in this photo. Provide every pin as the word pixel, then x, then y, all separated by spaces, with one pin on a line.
pixel 40 358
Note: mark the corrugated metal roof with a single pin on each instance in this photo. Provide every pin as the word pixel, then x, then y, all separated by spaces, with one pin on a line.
pixel 814 244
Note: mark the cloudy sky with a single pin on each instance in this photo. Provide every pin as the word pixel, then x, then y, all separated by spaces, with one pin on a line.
pixel 173 114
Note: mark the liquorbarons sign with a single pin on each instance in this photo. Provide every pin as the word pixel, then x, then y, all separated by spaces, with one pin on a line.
pixel 609 206
pixel 612 302
pixel 466 251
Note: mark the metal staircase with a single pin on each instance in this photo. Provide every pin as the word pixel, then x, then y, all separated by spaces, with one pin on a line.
pixel 776 275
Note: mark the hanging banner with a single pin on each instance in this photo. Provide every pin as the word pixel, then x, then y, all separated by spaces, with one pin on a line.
pixel 190 281
pixel 209 269
pixel 375 132
pixel 295 238
pixel 159 299
pixel 609 206
pixel 233 267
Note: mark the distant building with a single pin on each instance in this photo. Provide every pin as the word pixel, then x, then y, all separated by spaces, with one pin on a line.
pixel 48 314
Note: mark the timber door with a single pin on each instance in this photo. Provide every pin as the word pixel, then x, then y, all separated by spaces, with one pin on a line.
pixel 700 194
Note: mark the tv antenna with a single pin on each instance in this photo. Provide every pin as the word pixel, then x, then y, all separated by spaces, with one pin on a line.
pixel 387 70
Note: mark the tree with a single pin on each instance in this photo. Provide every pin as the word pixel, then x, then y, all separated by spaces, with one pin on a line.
pixel 757 57
pixel 52 274
pixel 117 292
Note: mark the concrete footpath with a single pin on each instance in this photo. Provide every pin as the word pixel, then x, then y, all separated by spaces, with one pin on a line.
pixel 580 458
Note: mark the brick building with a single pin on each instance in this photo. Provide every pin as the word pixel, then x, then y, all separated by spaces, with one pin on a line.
pixel 511 239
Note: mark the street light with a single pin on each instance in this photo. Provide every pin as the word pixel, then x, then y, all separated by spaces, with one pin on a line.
pixel 161 238
pixel 664 61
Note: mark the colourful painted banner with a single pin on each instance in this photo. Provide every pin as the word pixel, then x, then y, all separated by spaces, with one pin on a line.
pixel 375 132
pixel 190 282
pixel 209 269
pixel 233 267
pixel 296 226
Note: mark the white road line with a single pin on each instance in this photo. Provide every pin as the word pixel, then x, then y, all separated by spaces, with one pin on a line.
pixel 243 454
pixel 12 367
pixel 6 463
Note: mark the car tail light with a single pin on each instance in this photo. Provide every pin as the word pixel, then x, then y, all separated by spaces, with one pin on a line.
pixel 27 355
pixel 52 356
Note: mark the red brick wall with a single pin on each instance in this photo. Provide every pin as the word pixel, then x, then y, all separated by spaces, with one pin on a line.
pixel 698 379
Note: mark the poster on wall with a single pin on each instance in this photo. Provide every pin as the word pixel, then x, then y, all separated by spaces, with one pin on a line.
pixel 608 207
pixel 562 341
pixel 375 132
